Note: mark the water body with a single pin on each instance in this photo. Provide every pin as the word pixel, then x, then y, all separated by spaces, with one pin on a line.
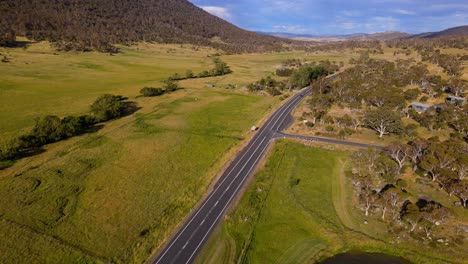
pixel 365 258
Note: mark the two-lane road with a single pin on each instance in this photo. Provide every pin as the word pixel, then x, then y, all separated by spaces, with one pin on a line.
pixel 188 241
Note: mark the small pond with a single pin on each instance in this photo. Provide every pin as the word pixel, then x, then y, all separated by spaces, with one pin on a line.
pixel 364 258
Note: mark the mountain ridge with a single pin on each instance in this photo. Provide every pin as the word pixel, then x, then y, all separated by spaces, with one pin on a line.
pixel 84 24
pixel 387 35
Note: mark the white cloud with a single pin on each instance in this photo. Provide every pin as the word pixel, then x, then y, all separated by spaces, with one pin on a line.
pixel 218 11
pixel 404 12
pixel 351 13
pixel 290 29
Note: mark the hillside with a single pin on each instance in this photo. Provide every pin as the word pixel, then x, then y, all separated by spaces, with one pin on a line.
pixel 85 24
pixel 455 31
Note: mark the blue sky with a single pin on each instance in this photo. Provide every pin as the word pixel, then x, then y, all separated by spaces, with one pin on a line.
pixel 339 17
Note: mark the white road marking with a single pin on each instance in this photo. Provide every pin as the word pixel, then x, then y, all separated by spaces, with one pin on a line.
pixel 281 112
pixel 222 211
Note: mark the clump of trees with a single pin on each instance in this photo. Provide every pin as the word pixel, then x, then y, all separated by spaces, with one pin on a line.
pixel 375 92
pixel 268 84
pixel 151 91
pixel 169 86
pixel 380 191
pixel 304 76
pixel 108 106
pixel 50 129
pixel 220 68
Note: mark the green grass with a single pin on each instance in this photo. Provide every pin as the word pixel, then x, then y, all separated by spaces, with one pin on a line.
pixel 298 210
pixel 118 195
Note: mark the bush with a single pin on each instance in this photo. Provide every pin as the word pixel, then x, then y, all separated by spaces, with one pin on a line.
pixel 221 68
pixel 424 99
pixel 345 132
pixel 9 150
pixel 402 184
pixel 189 74
pixel 309 124
pixel 411 130
pixel 273 91
pixel 107 107
pixel 171 86
pixel 151 91
pixel 411 94
pixel 284 72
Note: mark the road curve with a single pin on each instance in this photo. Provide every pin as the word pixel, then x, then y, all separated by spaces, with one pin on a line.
pixel 188 241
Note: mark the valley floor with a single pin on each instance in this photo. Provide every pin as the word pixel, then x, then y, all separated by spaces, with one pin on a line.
pixel 116 194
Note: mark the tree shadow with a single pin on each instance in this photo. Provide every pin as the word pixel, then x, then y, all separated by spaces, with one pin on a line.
pixel 130 108
pixel 21 44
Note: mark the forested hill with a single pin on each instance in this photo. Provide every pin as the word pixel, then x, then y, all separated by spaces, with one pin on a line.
pixel 81 24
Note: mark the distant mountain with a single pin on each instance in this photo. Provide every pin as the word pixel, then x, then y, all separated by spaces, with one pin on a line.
pixel 383 36
pixel 455 31
pixel 355 36
pixel 84 24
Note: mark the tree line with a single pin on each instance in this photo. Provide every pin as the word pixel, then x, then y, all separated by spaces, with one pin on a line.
pixel 50 129
pixel 220 68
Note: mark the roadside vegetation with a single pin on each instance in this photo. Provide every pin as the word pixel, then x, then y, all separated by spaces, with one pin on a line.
pixel 399 98
pixel 300 209
pixel 301 74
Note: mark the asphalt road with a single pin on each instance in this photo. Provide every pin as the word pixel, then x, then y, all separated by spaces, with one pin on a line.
pixel 327 140
pixel 189 240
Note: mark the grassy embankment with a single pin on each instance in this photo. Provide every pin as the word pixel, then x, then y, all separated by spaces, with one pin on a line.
pixel 117 193
pixel 298 210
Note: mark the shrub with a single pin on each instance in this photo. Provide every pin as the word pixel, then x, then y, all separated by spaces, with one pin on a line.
pixel 424 99
pixel 273 91
pixel 107 107
pixel 189 74
pixel 151 91
pixel 411 94
pixel 284 72
pixel 171 86
pixel 309 124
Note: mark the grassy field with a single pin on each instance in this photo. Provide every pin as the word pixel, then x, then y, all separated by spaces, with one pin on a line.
pixel 116 194
pixel 297 210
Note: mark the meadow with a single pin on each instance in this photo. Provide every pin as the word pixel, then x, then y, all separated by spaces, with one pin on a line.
pixel 116 194
pixel 298 210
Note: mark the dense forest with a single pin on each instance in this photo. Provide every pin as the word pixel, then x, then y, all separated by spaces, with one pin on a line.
pixel 98 24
